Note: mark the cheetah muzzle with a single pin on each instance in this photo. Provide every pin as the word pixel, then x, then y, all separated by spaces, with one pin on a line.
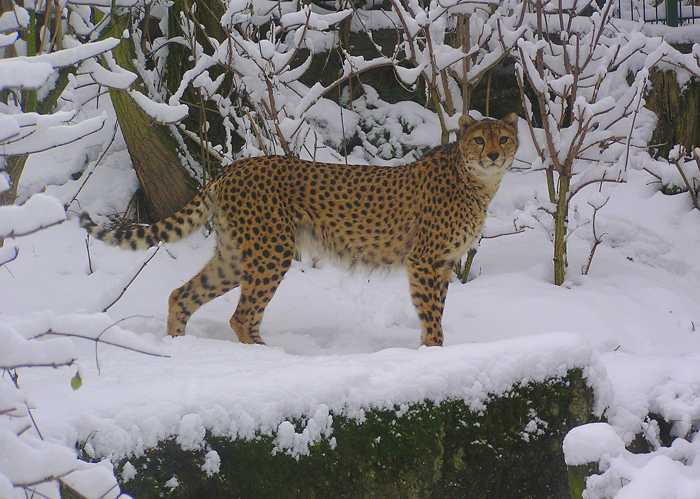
pixel 423 215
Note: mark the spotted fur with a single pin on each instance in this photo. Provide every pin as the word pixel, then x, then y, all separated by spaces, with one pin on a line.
pixel 423 216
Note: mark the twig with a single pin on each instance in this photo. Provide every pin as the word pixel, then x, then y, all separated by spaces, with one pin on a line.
pixel 99 336
pixel 580 187
pixel 143 265
pixel 51 332
pixel 195 138
pixel 596 238
pixel 55 365
pixel 31 417
pixel 657 177
pixel 13 256
pixel 511 233
pixel 97 163
pixel 87 248
pixel 691 189
pixel 34 151
pixel 14 234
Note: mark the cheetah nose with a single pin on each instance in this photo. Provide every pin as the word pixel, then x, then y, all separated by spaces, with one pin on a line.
pixel 493 156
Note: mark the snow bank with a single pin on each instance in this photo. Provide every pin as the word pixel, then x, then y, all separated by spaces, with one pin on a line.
pixel 666 472
pixel 237 390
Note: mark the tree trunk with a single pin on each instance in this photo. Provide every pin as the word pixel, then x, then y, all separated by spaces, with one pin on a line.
pixel 14 168
pixel 676 110
pixel 166 184
pixel 560 230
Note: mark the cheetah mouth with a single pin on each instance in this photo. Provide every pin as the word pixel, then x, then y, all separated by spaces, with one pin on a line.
pixel 485 163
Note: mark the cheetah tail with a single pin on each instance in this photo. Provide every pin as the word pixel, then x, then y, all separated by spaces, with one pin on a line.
pixel 173 228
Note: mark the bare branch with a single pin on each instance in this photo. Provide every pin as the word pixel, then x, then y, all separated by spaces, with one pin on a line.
pixel 597 239
pixel 55 365
pixel 14 234
pixel 133 278
pixel 51 332
pixel 14 252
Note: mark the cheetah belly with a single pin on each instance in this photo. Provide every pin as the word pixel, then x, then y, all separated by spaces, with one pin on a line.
pixel 371 246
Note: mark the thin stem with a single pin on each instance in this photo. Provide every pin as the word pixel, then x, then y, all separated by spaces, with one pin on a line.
pixel 133 278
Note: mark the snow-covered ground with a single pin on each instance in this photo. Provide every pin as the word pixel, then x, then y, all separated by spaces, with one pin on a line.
pixel 342 341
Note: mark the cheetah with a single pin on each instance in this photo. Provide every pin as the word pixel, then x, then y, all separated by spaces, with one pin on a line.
pixel 423 216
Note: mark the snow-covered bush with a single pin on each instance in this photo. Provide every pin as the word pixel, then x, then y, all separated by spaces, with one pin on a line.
pixel 582 82
pixel 262 76
pixel 38 114
pixel 665 472
pixel 31 466
pixel 680 173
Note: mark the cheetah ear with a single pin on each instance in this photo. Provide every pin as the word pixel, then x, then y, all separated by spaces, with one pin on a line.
pixel 465 121
pixel 511 119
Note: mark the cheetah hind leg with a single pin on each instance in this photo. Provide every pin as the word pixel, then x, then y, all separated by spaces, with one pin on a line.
pixel 256 293
pixel 216 278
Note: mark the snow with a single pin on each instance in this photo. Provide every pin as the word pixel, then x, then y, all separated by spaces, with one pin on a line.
pixel 172 483
pixel 121 78
pixel 68 56
pixel 590 443
pixel 340 343
pixel 312 20
pixel 17 73
pixel 128 472
pixel 344 342
pixel 39 210
pixel 665 472
pixel 8 127
pixel 10 20
pixel 159 111
pixel 18 351
pixel 212 463
pixel 190 432
pixel 45 137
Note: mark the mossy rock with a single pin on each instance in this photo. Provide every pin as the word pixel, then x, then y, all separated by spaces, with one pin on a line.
pixel 509 449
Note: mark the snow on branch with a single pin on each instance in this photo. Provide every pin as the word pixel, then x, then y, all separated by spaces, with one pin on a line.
pixel 159 111
pixel 39 212
pixel 23 73
pixel 15 19
pixel 106 3
pixel 312 20
pixel 69 56
pixel 42 138
pixel 118 78
pixel 18 352
pixel 38 465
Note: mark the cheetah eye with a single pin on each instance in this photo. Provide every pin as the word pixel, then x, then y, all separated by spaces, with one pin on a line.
pixel 479 140
pixel 504 139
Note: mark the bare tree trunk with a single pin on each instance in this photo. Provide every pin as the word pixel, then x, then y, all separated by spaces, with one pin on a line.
pixel 166 184
pixel 15 166
pixel 561 229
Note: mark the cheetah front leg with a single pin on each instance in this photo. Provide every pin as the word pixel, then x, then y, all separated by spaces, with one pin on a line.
pixel 428 283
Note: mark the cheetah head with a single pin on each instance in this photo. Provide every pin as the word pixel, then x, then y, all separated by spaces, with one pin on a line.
pixel 488 146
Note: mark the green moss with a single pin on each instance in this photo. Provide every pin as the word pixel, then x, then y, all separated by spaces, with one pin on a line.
pixel 425 450
pixel 577 479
